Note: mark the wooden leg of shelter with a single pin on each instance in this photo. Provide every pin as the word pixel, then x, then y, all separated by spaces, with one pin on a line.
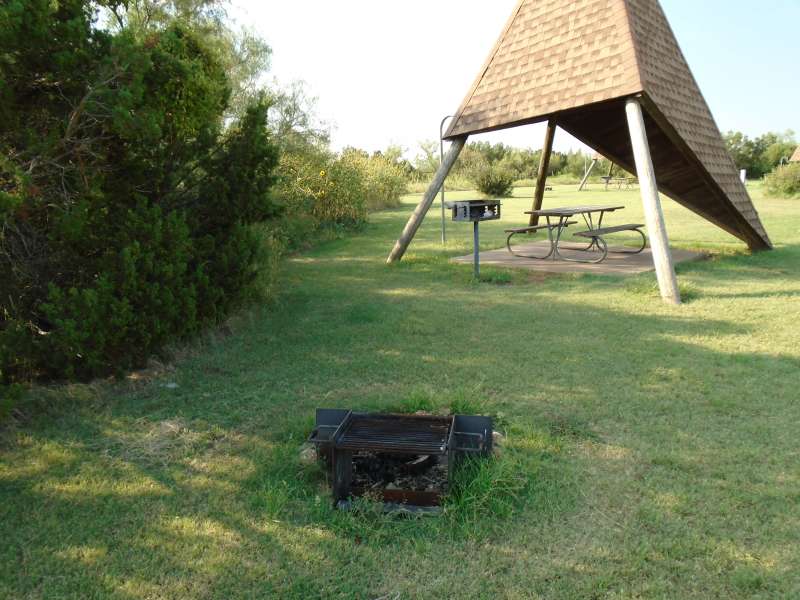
pixel 610 173
pixel 544 166
pixel 588 172
pixel 654 216
pixel 416 218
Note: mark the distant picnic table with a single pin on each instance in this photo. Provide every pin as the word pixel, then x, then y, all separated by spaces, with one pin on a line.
pixel 626 183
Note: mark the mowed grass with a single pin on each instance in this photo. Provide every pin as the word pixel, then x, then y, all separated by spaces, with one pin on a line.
pixel 651 451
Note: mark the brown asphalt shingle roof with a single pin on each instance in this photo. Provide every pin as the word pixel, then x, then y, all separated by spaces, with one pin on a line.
pixel 576 61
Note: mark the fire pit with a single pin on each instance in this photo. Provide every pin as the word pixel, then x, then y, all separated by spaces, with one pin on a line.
pixel 404 460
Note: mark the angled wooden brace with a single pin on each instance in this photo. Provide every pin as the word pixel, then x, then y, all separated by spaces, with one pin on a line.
pixel 419 213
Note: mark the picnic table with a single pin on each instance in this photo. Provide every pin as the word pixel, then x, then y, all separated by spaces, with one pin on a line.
pixel 621 182
pixel 558 219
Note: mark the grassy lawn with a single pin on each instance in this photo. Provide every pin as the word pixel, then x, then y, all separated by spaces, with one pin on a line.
pixel 651 451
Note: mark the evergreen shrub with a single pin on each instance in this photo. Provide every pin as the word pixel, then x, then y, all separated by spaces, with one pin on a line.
pixel 129 211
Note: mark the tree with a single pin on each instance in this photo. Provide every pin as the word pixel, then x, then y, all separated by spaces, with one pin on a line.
pixel 244 55
pixel 427 159
pixel 778 148
pixel 761 155
pixel 125 201
pixel 148 15
pixel 294 119
pixel 394 154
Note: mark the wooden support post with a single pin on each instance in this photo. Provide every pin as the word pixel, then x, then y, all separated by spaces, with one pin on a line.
pixel 544 166
pixel 416 218
pixel 654 216
pixel 586 176
pixel 610 172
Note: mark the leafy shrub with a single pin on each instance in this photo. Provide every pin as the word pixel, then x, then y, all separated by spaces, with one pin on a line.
pixel 297 190
pixel 495 182
pixel 318 190
pixel 127 211
pixel 343 197
pixel 784 182
pixel 321 190
pixel 384 181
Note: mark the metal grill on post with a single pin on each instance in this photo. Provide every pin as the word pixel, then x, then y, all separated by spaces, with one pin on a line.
pixel 475 211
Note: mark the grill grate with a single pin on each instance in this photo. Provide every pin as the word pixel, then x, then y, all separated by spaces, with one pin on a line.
pixel 393 433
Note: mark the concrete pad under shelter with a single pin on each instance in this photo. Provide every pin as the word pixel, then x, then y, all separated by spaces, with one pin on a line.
pixel 614 264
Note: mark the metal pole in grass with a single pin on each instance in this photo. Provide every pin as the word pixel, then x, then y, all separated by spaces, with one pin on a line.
pixel 441 160
pixel 476 251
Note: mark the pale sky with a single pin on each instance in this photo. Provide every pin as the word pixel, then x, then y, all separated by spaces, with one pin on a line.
pixel 388 72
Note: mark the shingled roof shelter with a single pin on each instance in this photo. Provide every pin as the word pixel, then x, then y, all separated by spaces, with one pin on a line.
pixel 611 73
pixel 796 156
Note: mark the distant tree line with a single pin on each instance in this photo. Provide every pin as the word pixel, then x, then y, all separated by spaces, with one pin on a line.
pixel 508 162
pixel 486 162
pixel 760 155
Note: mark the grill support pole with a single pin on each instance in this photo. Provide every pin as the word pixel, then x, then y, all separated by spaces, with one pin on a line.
pixel 654 215
pixel 424 206
pixel 544 166
pixel 476 252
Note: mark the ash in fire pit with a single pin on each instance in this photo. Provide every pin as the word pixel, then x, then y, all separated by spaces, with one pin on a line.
pixel 403 459
pixel 388 472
